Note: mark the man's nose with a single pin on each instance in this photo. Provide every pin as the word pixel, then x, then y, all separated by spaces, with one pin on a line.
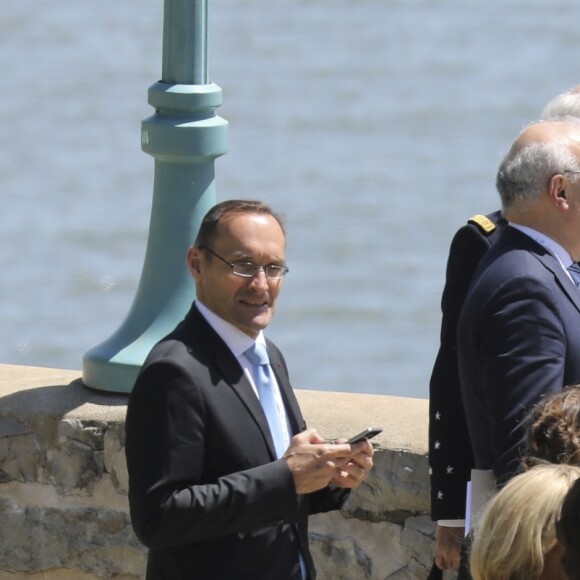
pixel 259 279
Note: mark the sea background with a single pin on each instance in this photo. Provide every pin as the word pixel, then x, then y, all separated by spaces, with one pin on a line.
pixel 375 126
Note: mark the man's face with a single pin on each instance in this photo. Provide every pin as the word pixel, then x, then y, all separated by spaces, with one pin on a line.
pixel 247 303
pixel 571 186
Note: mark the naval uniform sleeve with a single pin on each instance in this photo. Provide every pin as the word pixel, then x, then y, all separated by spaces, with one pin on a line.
pixel 450 454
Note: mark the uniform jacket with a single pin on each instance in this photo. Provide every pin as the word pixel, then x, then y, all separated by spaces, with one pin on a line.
pixel 206 492
pixel 450 455
pixel 518 339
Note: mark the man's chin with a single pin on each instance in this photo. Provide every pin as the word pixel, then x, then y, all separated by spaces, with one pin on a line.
pixel 258 323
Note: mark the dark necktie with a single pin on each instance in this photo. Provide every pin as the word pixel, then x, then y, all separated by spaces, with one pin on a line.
pixel 574 271
pixel 258 356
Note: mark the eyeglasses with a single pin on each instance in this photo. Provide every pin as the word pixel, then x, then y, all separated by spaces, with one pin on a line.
pixel 571 171
pixel 250 269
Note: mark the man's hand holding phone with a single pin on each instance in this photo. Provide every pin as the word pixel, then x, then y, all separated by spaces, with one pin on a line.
pixel 356 469
pixel 315 463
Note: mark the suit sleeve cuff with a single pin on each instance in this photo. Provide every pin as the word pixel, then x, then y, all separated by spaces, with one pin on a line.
pixel 451 523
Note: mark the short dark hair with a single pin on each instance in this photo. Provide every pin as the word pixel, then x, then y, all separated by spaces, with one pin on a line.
pixel 553 429
pixel 210 223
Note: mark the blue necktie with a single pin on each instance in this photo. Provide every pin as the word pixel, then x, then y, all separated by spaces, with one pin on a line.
pixel 574 271
pixel 258 356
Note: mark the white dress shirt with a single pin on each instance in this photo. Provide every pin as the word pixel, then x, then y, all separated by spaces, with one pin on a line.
pixel 238 342
pixel 553 247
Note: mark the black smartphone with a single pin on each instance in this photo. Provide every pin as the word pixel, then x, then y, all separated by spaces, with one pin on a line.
pixel 366 434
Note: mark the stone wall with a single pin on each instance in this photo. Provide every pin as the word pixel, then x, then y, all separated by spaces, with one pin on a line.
pixel 63 484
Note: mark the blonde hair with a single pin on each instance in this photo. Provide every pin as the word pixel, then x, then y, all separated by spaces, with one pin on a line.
pixel 517 527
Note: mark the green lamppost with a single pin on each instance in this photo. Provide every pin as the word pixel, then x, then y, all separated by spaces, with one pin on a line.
pixel 184 136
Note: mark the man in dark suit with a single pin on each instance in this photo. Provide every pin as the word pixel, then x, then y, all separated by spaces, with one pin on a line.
pixel 519 329
pixel 216 490
pixel 450 455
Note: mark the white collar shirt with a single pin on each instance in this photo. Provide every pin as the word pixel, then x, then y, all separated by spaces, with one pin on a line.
pixel 238 342
pixel 553 247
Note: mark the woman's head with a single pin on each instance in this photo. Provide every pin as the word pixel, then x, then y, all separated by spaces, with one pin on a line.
pixel 553 429
pixel 517 527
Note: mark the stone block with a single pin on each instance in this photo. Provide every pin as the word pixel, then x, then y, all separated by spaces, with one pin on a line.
pixel 100 542
pixel 115 463
pixel 396 488
pixel 20 453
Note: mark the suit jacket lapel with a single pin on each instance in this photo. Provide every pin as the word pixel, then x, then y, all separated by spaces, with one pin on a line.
pixel 548 260
pixel 292 408
pixel 231 371
pixel 568 287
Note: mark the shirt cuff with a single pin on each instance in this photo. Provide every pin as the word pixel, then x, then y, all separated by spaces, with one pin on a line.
pixel 451 523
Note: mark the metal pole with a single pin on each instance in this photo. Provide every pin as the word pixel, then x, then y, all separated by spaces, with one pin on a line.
pixel 184 136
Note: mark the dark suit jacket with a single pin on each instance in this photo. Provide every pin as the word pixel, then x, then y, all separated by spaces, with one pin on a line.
pixel 206 492
pixel 518 338
pixel 450 455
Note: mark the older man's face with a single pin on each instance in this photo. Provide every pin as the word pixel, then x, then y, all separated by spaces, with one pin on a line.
pixel 247 303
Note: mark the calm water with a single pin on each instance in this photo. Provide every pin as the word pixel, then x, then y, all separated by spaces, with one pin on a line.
pixel 376 126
